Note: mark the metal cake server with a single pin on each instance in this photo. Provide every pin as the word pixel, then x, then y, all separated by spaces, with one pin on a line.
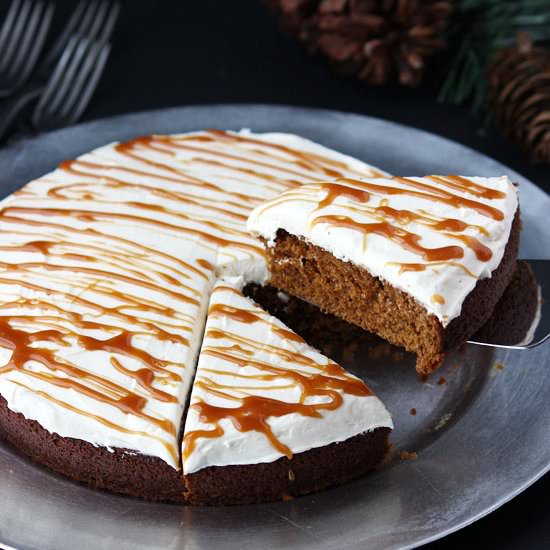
pixel 540 328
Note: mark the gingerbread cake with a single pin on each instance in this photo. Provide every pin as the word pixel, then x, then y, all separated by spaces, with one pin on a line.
pixel 264 404
pixel 421 262
pixel 106 278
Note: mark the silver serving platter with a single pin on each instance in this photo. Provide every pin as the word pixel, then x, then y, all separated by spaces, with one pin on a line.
pixel 482 437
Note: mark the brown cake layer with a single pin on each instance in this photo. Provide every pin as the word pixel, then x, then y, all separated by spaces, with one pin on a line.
pixel 353 294
pixel 306 472
pixel 122 471
pixel 130 473
pixel 329 334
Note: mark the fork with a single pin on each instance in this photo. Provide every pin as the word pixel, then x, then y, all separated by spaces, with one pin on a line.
pixel 70 88
pixel 95 20
pixel 67 93
pixel 90 21
pixel 22 38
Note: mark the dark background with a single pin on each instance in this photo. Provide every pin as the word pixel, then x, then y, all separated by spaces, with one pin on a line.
pixel 183 52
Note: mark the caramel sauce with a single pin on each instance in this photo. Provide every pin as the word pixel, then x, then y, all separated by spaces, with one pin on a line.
pixel 186 180
pixel 19 343
pixel 206 264
pixel 428 192
pixel 407 240
pixel 242 160
pixel 449 226
pixel 483 253
pixel 460 183
pixel 406 267
pixel 438 299
pixel 335 168
pixel 335 190
pixel 94 216
pixel 252 412
pixel 170 448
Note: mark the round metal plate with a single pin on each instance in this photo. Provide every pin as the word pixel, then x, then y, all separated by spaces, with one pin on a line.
pixel 481 435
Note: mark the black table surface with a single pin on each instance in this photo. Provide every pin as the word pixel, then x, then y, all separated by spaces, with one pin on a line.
pixel 171 53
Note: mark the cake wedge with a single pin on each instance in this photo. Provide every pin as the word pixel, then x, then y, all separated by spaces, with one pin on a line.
pixel 269 416
pixel 421 262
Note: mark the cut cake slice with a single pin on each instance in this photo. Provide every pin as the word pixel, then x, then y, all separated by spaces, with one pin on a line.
pixel 421 262
pixel 269 416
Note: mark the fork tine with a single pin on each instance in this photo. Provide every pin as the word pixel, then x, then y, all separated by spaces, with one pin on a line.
pixel 86 84
pixel 97 21
pixel 110 23
pixel 91 19
pixel 87 20
pixel 26 39
pixel 14 37
pixel 63 39
pixel 52 87
pixel 65 84
pixel 37 42
pixel 7 27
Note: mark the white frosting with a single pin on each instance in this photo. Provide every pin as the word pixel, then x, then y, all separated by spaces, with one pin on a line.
pixel 223 383
pixel 295 211
pixel 159 207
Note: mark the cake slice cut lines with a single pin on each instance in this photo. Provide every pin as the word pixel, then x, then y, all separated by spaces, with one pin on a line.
pixel 106 270
pixel 260 390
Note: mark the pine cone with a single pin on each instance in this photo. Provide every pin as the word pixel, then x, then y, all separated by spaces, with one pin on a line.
pixel 377 40
pixel 519 93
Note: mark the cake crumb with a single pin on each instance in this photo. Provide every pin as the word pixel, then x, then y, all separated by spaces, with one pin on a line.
pixel 291 475
pixel 413 411
pixel 349 352
pixel 287 498
pixel 406 455
pixel 398 356
pixel 499 366
pixel 381 350
pixel 283 296
pixel 423 378
pixel 442 380
pixel 442 421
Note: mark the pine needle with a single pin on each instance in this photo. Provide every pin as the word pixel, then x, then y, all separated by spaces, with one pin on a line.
pixel 478 29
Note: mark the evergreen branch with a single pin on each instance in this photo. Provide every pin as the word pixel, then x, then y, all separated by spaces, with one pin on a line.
pixel 477 30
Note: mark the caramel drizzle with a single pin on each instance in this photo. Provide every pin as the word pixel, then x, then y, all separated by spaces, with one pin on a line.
pixel 124 248
pixel 245 159
pixel 290 369
pixel 25 346
pixel 172 451
pixel 19 342
pixel 360 193
pixel 66 243
pixel 90 216
pixel 409 241
pixel 407 267
pixel 331 167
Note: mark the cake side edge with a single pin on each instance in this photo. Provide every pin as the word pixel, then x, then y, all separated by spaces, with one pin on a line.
pixel 119 470
pixel 284 478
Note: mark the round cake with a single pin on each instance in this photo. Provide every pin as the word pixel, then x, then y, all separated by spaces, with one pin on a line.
pixel 132 361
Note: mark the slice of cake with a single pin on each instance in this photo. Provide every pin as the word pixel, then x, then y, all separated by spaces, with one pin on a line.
pixel 419 261
pixel 269 416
